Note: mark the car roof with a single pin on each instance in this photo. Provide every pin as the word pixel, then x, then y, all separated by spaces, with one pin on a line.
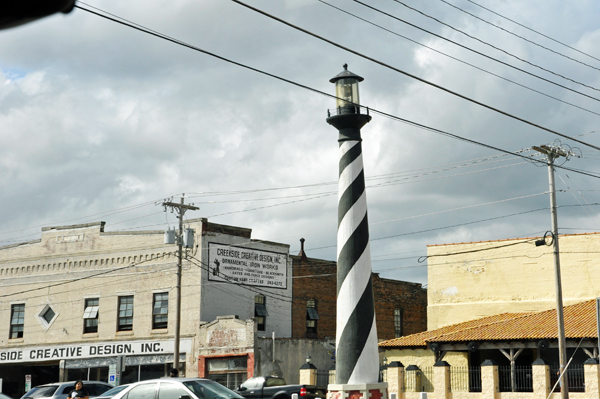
pixel 180 379
pixel 52 384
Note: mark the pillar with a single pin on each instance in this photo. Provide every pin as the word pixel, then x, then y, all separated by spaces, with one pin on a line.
pixel 592 378
pixel 395 380
pixel 490 381
pixel 308 374
pixel 540 373
pixel 441 380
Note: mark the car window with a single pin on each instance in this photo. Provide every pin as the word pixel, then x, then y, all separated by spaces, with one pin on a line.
pixel 42 392
pixel 143 391
pixel 115 390
pixel 275 382
pixel 207 389
pixel 171 391
pixel 96 389
pixel 66 389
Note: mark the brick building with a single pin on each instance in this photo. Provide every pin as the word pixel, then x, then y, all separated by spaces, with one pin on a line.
pixel 400 306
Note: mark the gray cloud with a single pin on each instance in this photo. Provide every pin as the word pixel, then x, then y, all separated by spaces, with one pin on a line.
pixel 97 117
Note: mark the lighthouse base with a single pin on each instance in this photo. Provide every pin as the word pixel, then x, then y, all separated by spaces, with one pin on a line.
pixel 357 391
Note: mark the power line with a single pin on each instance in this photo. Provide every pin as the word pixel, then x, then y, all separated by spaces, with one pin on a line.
pixel 459 60
pixel 476 52
pixel 492 46
pixel 532 30
pixel 145 30
pixel 424 258
pixel 443 228
pixel 81 278
pixel 520 37
pixel 407 74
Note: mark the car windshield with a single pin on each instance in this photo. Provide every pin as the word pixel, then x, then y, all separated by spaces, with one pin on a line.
pixel 210 390
pixel 114 391
pixel 41 392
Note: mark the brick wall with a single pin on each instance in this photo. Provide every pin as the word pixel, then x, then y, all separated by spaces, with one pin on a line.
pixel 317 279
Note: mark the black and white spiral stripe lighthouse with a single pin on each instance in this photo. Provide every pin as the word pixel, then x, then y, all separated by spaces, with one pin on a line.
pixel 357 360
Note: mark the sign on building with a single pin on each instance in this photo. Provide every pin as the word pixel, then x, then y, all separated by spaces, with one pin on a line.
pixel 85 351
pixel 248 266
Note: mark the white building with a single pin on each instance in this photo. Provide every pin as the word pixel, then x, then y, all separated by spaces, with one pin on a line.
pixel 76 300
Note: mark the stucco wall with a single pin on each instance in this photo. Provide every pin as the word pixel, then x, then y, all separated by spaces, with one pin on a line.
pixel 486 278
pixel 290 355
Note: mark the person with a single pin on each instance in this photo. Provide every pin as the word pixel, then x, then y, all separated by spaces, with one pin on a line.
pixel 79 392
pixel 174 373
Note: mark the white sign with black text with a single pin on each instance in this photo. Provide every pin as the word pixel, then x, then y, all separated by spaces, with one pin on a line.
pixel 247 266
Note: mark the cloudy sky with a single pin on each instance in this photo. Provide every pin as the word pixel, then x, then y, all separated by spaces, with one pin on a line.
pixel 99 121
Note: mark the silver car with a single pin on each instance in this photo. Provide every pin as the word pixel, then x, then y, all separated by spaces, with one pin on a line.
pixel 61 390
pixel 112 392
pixel 177 388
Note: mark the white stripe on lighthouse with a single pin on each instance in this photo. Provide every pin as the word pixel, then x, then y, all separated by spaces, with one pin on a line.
pixel 352 290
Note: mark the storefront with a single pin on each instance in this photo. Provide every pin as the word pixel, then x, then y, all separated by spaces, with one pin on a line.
pixel 113 362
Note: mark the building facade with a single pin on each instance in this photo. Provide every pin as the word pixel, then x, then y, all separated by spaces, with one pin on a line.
pixel 84 303
pixel 467 281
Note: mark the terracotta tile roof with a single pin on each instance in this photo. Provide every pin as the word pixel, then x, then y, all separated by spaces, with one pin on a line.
pixel 580 322
pixel 421 339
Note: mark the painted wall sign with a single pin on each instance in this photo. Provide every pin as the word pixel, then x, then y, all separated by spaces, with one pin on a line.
pixel 224 338
pixel 249 266
pixel 84 351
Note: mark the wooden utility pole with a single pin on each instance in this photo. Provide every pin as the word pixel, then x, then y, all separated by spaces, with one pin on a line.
pixel 551 154
pixel 180 209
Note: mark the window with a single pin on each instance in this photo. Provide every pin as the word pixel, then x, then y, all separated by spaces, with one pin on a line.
pixel 260 311
pixel 125 313
pixel 17 320
pixel 311 317
pixel 90 315
pixel 48 314
pixel 160 310
pixel 228 371
pixel 398 322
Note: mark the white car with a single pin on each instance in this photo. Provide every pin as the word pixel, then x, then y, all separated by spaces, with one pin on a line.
pixel 177 388
pixel 61 390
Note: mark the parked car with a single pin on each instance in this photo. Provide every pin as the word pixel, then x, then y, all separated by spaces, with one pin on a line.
pixel 112 392
pixel 276 388
pixel 61 390
pixel 177 388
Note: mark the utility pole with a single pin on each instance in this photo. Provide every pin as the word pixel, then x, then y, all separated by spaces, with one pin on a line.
pixel 180 209
pixel 551 154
